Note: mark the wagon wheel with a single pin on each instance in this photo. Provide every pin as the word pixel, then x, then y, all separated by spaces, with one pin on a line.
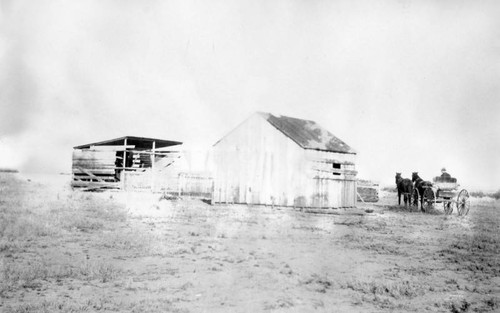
pixel 414 199
pixel 429 200
pixel 463 202
pixel 448 208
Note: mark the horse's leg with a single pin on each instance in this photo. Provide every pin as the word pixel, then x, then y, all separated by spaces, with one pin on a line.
pixel 399 197
pixel 422 201
pixel 410 200
pixel 417 198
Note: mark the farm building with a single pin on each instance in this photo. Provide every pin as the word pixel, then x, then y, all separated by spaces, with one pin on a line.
pixel 279 160
pixel 129 161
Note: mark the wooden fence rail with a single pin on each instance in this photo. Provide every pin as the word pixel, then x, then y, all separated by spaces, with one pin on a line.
pixel 182 184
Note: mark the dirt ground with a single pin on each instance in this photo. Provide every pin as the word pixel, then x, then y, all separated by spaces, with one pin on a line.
pixel 71 251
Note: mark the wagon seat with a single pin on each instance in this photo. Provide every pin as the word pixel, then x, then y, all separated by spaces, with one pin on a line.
pixel 446 186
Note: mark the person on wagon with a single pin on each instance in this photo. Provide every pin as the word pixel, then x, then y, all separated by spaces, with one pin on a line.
pixel 445 174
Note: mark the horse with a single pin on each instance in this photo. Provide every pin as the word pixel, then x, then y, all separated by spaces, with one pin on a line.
pixel 405 187
pixel 420 185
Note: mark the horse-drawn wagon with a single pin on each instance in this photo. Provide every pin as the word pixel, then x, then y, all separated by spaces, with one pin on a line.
pixel 443 189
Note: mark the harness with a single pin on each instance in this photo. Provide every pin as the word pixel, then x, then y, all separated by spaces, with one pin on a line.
pixel 418 182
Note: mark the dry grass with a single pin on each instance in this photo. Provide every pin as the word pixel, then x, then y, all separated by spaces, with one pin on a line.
pixel 101 304
pixel 32 274
pixel 64 251
pixel 318 283
pixel 481 194
pixel 29 219
pixel 27 214
pixel 397 290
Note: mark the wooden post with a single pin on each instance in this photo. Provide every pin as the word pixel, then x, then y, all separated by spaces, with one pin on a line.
pixel 153 167
pixel 124 153
pixel 124 163
pixel 179 177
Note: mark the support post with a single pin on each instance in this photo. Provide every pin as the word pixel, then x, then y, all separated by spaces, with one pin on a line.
pixel 124 163
pixel 153 166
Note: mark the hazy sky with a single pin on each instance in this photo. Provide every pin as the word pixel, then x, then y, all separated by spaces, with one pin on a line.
pixel 411 85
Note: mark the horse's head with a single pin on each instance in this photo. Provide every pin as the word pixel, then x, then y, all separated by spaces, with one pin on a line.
pixel 414 176
pixel 398 177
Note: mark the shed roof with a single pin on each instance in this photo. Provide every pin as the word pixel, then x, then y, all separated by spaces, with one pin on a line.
pixel 307 134
pixel 138 142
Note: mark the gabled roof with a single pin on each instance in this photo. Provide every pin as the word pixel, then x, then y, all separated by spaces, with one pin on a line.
pixel 307 134
pixel 138 142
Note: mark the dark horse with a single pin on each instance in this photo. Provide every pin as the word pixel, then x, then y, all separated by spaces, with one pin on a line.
pixel 420 185
pixel 405 187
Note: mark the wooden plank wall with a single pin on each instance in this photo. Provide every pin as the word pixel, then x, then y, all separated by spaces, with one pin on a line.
pixel 257 164
pixel 94 169
pixel 334 187
pixel 103 161
pixel 247 168
pixel 199 185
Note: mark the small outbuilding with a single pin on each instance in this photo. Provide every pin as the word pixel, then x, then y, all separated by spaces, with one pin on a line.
pixel 128 161
pixel 285 161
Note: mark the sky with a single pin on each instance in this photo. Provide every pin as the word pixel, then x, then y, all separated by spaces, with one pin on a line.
pixel 410 85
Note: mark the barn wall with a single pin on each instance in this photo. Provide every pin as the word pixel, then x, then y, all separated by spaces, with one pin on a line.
pixel 331 187
pixel 257 164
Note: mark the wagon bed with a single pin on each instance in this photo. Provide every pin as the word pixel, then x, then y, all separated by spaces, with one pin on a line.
pixel 445 190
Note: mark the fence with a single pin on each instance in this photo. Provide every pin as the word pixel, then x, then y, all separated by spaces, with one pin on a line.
pixel 196 185
pixel 367 191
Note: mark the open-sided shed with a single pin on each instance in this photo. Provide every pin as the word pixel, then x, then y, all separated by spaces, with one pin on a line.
pixel 279 160
pixel 121 162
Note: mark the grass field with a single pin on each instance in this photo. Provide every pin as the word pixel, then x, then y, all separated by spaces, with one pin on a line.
pixel 65 251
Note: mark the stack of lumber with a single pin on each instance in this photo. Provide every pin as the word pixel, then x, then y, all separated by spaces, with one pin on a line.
pixel 367 190
pixel 145 160
pixel 136 160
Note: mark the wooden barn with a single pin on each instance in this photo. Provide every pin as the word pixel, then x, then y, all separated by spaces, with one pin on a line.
pixel 279 160
pixel 129 161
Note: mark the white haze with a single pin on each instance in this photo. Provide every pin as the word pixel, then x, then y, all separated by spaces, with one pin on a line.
pixel 411 85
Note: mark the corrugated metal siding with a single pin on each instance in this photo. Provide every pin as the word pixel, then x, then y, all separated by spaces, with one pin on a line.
pixel 256 164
